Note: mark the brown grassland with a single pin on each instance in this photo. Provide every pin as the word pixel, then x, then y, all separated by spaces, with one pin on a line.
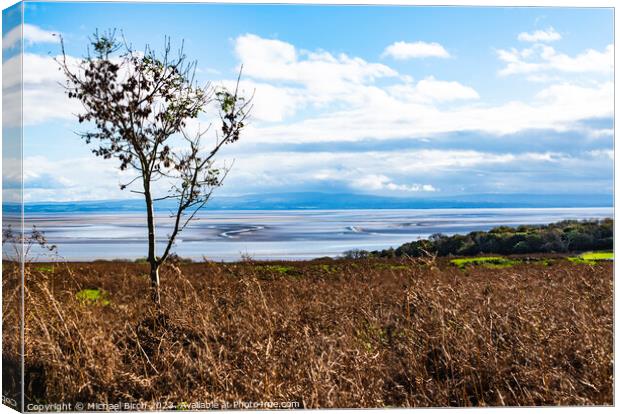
pixel 323 333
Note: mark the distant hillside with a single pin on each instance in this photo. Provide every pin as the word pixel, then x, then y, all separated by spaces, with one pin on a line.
pixel 336 201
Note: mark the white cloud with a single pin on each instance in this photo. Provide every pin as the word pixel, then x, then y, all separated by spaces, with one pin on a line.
pixel 543 78
pixel 87 178
pixel 433 90
pixel 404 50
pixel 398 110
pixel 12 38
pixel 395 172
pixel 600 133
pixel 340 98
pixel 32 34
pixel 275 60
pixel 558 107
pixel 379 182
pixel 384 172
pixel 43 96
pixel 548 35
pixel 543 58
pixel 316 96
pixel 372 170
pixel 605 154
pixel 270 103
pixel 287 80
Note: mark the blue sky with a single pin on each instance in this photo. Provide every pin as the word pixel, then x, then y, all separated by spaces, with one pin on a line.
pixel 399 101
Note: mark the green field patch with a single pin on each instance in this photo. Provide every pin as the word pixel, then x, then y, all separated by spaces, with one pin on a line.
pixel 276 270
pixel 93 297
pixel 494 262
pixel 327 268
pixel 540 261
pixel 592 257
pixel 598 256
pixel 545 262
pixel 44 269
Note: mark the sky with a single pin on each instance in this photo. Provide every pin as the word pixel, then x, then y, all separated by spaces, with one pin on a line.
pixel 387 100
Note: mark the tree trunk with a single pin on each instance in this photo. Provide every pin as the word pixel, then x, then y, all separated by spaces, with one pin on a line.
pixel 152 258
pixel 155 285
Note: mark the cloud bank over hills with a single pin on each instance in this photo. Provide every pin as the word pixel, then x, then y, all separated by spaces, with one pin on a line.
pixel 399 120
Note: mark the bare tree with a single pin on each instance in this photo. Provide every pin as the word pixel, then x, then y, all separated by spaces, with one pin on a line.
pixel 138 106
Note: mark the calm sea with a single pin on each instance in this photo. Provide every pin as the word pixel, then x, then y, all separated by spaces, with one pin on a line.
pixel 294 234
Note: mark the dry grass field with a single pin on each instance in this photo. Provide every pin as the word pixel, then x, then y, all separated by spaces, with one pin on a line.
pixel 324 333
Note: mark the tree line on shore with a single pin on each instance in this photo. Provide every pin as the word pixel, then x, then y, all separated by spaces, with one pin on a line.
pixel 561 237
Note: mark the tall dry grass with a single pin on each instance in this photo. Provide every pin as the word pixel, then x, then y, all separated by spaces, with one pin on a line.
pixel 323 334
